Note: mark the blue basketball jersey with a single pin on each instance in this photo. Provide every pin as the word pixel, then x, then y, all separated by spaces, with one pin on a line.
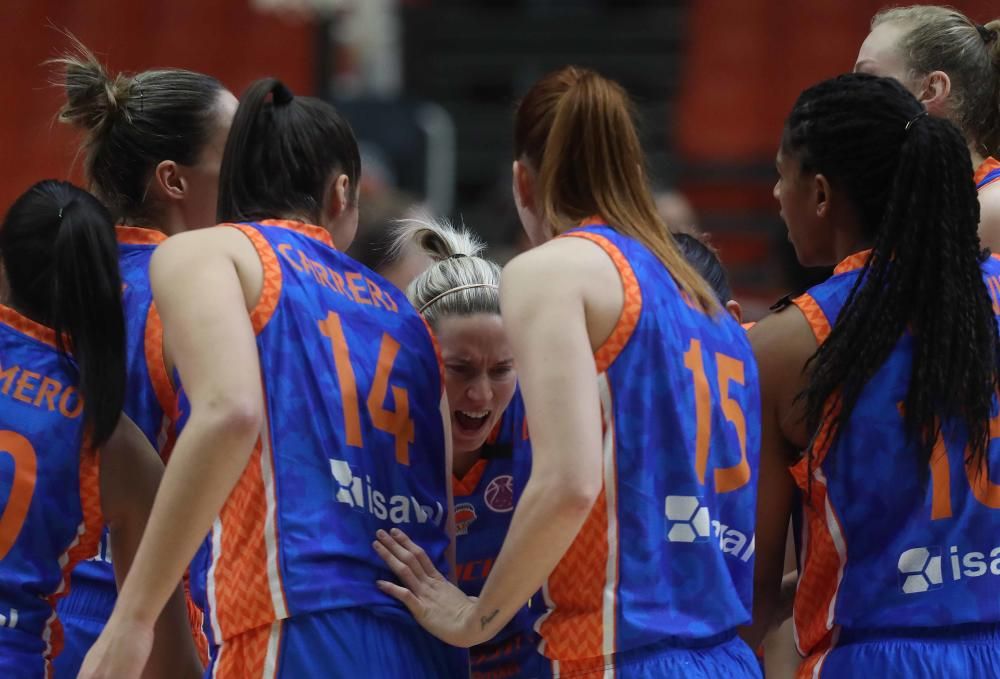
pixel 886 546
pixel 668 548
pixel 353 443
pixel 485 498
pixel 987 173
pixel 148 398
pixel 50 513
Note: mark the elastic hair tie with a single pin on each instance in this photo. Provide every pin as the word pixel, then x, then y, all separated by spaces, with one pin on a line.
pixel 457 255
pixel 986 34
pixel 461 287
pixel 281 95
pixel 914 119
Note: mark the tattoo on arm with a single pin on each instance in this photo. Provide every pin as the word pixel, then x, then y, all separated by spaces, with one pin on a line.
pixel 486 620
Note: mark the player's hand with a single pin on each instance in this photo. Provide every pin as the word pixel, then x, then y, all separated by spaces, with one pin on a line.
pixel 439 606
pixel 120 652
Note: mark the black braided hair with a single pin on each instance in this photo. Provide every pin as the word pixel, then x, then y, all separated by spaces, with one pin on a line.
pixel 913 193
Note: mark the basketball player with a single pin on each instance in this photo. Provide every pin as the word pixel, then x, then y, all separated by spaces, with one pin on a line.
pixel 705 260
pixel 623 353
pixel 152 147
pixel 459 296
pixel 952 65
pixel 314 421
pixel 886 376
pixel 70 461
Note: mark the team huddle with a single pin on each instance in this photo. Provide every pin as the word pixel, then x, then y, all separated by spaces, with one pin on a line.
pixel 235 451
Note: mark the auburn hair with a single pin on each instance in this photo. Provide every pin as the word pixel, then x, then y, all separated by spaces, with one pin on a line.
pixel 576 130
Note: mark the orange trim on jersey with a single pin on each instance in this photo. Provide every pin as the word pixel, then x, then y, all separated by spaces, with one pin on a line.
pixel 823 561
pixel 270 291
pixel 810 308
pixel 84 546
pixel 246 655
pixel 984 169
pixel 594 220
pixel 196 620
pixel 580 630
pixel 575 628
pixel 242 589
pixel 466 486
pixel 747 326
pixel 631 308
pixel 314 232
pixel 852 262
pixel 137 235
pixel 26 326
pixel 156 364
pixel 588 668
pixel 437 351
pixel 814 316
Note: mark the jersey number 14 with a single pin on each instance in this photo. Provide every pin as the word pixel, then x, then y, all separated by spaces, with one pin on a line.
pixel 396 422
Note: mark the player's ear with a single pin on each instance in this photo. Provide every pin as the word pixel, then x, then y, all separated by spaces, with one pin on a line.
pixel 339 211
pixel 734 309
pixel 337 198
pixel 168 182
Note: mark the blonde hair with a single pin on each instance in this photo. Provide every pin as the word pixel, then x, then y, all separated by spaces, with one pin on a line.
pixel 576 129
pixel 460 282
pixel 943 39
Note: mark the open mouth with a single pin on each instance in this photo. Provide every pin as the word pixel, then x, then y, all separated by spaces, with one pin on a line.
pixel 471 422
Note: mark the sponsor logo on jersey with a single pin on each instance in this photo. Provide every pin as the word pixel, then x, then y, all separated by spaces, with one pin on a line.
pixel 499 494
pixel 465 514
pixel 924 569
pixel 358 493
pixel 689 520
pixel 9 619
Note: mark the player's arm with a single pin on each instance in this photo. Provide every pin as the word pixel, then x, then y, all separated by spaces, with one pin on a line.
pixel 203 283
pixel 782 344
pixel 989 217
pixel 130 474
pixel 548 329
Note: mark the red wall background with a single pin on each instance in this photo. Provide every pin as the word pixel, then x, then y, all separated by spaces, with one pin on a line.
pixel 747 61
pixel 225 38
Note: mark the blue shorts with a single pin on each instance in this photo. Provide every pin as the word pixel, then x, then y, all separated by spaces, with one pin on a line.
pixel 80 633
pixel 915 653
pixel 22 656
pixel 724 656
pixel 83 613
pixel 516 657
pixel 344 643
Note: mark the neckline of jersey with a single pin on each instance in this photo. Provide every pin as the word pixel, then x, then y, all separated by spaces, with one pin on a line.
pixel 985 168
pixel 26 326
pixel 309 230
pixel 466 485
pixel 139 235
pixel 852 262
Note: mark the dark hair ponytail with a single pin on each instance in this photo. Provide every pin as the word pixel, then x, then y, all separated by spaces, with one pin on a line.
pixel 280 154
pixel 61 257
pixel 908 177
pixel 705 260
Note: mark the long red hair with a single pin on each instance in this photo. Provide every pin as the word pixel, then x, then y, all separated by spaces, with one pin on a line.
pixel 576 129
